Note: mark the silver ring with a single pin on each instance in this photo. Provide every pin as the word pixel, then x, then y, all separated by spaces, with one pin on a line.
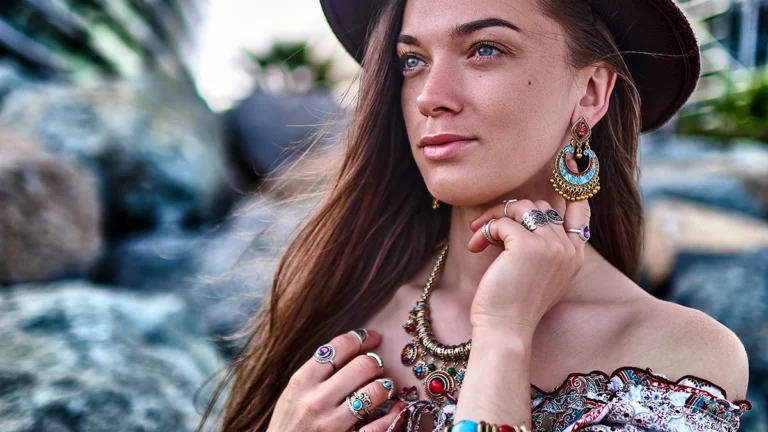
pixel 387 383
pixel 361 334
pixel 539 217
pixel 376 357
pixel 487 232
pixel 582 231
pixel 325 354
pixel 506 203
pixel 358 404
pixel 554 216
pixel 529 222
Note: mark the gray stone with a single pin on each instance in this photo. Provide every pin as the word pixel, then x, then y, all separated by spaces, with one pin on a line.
pixel 50 217
pixel 78 357
pixel 725 175
pixel 265 130
pixel 726 193
pixel 734 291
pixel 150 141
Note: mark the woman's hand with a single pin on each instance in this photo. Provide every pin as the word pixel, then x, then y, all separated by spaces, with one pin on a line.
pixel 315 398
pixel 533 271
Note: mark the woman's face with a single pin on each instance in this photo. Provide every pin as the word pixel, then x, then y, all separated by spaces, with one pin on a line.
pixel 509 89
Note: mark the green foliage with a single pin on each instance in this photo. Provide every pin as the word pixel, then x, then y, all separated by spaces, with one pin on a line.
pixel 292 56
pixel 738 114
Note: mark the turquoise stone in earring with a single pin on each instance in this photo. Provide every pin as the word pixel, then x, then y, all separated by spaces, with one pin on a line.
pixel 576 185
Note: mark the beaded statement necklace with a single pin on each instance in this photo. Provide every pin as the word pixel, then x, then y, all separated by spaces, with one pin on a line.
pixel 431 361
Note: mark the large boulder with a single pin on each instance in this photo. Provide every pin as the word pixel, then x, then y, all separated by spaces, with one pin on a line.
pixel 267 132
pixel 222 273
pixel 50 216
pixel 151 143
pixel 77 357
pixel 734 291
pixel 709 172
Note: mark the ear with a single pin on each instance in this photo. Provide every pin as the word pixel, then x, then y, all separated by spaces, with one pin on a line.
pixel 593 104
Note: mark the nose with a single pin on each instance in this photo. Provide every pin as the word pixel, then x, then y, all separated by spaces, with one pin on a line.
pixel 440 93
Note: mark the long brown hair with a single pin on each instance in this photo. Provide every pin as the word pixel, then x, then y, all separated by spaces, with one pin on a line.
pixel 376 227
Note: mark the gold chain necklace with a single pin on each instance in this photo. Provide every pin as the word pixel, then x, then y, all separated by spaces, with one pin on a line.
pixel 431 361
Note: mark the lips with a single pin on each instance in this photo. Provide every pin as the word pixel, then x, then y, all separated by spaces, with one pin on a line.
pixel 440 139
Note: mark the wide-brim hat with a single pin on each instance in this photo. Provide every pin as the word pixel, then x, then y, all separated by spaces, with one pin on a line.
pixel 654 36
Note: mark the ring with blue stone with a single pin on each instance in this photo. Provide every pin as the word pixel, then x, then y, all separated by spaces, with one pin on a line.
pixel 387 385
pixel 358 404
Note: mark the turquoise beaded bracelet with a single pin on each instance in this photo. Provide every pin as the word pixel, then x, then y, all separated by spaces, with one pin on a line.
pixel 470 426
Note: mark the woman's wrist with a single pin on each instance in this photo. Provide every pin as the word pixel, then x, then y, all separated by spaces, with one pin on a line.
pixel 496 386
pixel 502 331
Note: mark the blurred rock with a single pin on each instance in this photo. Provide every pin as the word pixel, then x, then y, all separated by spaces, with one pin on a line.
pixel 50 220
pixel 265 130
pixel 755 420
pixel 151 143
pixel 734 291
pixel 153 262
pixel 77 357
pixel 718 192
pixel 673 227
pixel 222 273
pixel 705 171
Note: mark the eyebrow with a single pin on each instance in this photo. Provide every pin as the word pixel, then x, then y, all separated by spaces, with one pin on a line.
pixel 463 30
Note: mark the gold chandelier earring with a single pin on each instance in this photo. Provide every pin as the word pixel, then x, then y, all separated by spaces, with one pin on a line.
pixel 577 185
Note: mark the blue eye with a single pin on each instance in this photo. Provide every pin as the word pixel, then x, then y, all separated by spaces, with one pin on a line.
pixel 409 61
pixel 485 46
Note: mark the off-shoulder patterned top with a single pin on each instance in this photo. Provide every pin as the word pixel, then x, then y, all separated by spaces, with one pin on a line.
pixel 630 399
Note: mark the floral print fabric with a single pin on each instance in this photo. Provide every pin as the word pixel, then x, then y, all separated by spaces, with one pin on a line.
pixel 630 399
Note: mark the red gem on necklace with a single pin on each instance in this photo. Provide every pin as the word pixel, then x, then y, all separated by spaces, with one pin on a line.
pixel 436 386
pixel 411 328
pixel 505 428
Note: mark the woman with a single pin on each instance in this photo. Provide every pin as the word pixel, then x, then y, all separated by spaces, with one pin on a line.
pixel 449 224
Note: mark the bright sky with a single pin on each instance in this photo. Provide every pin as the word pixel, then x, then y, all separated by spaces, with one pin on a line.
pixel 229 27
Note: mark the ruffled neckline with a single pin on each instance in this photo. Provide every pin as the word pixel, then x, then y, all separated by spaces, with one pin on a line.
pixel 696 384
pixel 574 381
pixel 596 389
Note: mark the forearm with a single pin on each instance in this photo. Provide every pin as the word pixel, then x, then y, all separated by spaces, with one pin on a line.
pixel 497 385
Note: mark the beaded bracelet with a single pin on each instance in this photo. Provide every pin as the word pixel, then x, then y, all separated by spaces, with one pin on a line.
pixel 470 426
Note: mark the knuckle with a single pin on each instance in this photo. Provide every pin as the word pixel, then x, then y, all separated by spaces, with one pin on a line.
pixel 558 249
pixel 586 212
pixel 542 204
pixel 346 343
pixel 297 381
pixel 310 407
pixel 377 391
pixel 365 365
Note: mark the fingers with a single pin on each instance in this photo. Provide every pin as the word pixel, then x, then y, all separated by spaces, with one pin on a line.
pixel 504 229
pixel 360 370
pixel 343 349
pixel 365 400
pixel 393 420
pixel 515 212
pixel 577 216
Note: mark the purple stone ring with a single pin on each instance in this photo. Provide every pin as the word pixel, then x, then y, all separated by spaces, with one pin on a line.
pixel 325 354
pixel 582 231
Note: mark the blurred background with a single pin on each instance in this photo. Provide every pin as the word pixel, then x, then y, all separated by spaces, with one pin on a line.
pixel 136 137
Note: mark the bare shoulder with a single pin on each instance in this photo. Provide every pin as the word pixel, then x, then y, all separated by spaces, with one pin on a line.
pixel 676 341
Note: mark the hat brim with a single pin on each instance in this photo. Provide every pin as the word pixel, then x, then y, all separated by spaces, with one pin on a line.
pixel 654 37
